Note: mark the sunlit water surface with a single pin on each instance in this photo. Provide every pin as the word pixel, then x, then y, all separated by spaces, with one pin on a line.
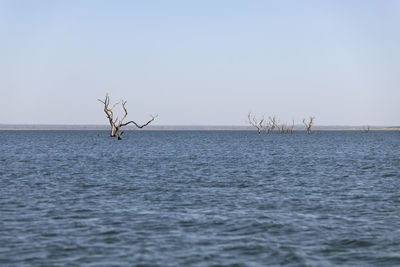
pixel 182 198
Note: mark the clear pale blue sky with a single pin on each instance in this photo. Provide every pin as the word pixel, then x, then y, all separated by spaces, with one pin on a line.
pixel 201 62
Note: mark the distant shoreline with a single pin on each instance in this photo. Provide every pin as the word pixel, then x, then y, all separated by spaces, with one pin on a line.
pixel 54 127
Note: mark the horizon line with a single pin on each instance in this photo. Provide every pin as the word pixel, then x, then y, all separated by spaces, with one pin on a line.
pixel 189 125
pixel 297 127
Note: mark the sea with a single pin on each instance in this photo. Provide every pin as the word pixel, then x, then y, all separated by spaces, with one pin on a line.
pixel 199 198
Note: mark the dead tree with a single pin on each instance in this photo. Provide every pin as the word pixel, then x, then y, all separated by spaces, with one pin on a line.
pixel 285 128
pixel 109 113
pixel 116 124
pixel 282 128
pixel 257 124
pixel 272 124
pixel 121 123
pixel 366 129
pixel 268 127
pixel 309 124
pixel 290 130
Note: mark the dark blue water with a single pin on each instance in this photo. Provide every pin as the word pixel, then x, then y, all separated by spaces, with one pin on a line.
pixel 199 198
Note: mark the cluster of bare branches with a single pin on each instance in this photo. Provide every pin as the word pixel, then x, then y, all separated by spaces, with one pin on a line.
pixel 269 125
pixel 273 125
pixel 116 124
pixel 286 128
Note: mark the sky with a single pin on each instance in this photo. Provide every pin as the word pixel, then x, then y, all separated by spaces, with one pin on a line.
pixel 202 62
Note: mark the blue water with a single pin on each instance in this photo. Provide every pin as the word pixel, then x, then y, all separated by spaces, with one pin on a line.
pixel 181 198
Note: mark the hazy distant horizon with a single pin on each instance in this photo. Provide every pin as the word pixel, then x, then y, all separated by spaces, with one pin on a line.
pixel 201 62
pixel 297 127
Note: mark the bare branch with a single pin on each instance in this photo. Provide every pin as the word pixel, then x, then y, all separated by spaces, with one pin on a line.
pixel 138 125
pixel 250 120
pixel 115 105
pixel 109 113
pixel 126 112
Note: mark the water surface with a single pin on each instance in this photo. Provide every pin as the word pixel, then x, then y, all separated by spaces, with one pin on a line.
pixel 182 198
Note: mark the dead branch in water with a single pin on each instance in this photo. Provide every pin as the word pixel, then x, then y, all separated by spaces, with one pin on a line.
pixel 122 123
pixel 366 129
pixel 290 130
pixel 272 124
pixel 257 124
pixel 309 124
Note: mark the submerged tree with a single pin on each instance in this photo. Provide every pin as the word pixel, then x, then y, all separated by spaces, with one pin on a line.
pixel 274 123
pixel 255 123
pixel 290 130
pixel 116 124
pixel 366 129
pixel 271 125
pixel 309 124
